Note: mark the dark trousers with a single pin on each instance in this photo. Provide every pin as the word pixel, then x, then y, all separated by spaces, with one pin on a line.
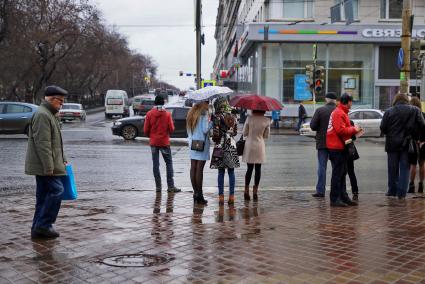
pixel 168 159
pixel 398 173
pixel 48 201
pixel 352 176
pixel 339 172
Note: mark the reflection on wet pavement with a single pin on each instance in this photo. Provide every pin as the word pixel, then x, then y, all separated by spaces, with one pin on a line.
pixel 285 237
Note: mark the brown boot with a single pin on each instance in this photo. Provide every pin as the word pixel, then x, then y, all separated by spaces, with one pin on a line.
pixel 254 193
pixel 231 200
pixel 246 193
pixel 221 199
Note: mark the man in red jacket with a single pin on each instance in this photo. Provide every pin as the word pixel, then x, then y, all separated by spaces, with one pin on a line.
pixel 339 131
pixel 158 127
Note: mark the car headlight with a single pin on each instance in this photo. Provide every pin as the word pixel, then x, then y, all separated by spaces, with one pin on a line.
pixel 117 123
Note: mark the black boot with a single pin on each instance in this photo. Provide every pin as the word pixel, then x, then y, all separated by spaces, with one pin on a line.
pixel 411 187
pixel 200 198
pixel 421 187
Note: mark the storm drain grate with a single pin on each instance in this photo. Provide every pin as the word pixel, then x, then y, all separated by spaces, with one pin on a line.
pixel 137 260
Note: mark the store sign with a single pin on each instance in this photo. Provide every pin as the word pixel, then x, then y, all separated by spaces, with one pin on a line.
pixel 389 33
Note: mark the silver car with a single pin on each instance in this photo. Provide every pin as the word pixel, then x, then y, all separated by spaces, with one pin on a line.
pixel 368 119
pixel 15 117
pixel 72 111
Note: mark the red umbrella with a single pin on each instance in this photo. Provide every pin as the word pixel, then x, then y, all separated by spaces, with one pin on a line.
pixel 256 102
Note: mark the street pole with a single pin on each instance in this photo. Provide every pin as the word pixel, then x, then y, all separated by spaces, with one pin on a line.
pixel 198 42
pixel 405 45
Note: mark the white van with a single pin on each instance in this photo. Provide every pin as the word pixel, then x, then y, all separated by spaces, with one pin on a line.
pixel 116 103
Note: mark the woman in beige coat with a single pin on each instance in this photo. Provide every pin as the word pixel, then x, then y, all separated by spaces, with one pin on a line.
pixel 256 128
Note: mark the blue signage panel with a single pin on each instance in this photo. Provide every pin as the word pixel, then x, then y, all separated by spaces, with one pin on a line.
pixel 301 88
pixel 400 58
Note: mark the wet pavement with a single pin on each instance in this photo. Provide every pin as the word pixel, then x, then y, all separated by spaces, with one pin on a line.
pixel 286 237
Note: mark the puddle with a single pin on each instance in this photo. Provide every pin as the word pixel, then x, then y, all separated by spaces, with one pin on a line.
pixel 137 260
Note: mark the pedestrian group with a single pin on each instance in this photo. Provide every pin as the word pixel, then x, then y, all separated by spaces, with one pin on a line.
pixel 403 125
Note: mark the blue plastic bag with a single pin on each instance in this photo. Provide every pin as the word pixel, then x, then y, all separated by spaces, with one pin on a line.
pixel 70 188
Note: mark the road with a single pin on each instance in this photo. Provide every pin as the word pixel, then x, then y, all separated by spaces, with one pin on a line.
pixel 102 161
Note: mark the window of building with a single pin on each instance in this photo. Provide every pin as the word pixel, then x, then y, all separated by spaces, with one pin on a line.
pixel 297 9
pixel 391 9
pixel 387 63
pixel 355 8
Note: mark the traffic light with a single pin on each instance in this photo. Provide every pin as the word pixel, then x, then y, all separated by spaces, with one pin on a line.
pixel 180 73
pixel 319 78
pixel 309 72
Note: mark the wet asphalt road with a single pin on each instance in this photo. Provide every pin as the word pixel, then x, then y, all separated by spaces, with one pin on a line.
pixel 102 161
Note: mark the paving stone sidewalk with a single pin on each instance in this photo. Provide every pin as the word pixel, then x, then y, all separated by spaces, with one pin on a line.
pixel 287 237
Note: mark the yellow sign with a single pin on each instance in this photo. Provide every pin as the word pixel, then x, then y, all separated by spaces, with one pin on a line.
pixel 206 83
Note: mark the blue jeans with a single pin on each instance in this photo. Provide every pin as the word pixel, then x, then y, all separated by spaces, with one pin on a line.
pixel 168 158
pixel 231 173
pixel 48 201
pixel 398 173
pixel 322 159
pixel 300 123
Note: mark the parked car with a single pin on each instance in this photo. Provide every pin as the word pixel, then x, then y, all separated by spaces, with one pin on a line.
pixel 368 119
pixel 142 104
pixel 71 111
pixel 15 117
pixel 131 127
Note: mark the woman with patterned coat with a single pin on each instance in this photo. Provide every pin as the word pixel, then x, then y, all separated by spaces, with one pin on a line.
pixel 224 129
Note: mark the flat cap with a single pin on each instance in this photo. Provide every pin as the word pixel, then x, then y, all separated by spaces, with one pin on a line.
pixel 54 91
pixel 331 95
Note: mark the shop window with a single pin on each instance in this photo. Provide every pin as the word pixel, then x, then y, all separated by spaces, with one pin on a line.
pixel 391 9
pixel 387 63
pixel 355 8
pixel 297 9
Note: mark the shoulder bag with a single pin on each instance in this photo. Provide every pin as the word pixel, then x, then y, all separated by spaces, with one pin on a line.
pixel 240 146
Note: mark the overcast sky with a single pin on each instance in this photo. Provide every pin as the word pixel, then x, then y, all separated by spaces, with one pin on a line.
pixel 172 47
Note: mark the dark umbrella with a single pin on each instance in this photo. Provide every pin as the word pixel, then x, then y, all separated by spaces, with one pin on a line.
pixel 256 102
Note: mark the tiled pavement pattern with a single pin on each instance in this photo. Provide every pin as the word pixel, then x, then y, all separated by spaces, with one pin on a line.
pixel 287 237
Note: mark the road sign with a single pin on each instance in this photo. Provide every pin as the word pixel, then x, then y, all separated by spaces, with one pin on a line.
pixel 206 83
pixel 400 58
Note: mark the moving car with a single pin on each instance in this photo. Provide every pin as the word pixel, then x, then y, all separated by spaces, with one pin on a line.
pixel 132 127
pixel 142 104
pixel 368 119
pixel 71 111
pixel 116 103
pixel 15 117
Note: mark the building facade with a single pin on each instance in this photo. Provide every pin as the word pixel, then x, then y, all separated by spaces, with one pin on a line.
pixel 271 42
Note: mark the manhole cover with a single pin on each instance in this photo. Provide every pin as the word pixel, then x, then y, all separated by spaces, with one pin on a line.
pixel 137 260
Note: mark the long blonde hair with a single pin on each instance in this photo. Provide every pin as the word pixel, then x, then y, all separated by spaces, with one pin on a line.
pixel 194 114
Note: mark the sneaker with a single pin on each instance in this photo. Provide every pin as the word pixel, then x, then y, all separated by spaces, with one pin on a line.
pixel 43 233
pixel 173 189
pixel 318 195
pixel 338 204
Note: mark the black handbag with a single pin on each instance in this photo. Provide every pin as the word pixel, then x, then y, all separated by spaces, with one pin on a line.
pixel 240 146
pixel 199 145
pixel 352 151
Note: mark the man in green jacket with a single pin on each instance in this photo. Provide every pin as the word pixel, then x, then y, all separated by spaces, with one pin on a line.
pixel 45 159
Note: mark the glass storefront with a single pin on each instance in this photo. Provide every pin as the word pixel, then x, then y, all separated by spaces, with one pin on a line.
pixel 349 68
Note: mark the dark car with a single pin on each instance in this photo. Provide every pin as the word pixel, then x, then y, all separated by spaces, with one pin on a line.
pixel 15 117
pixel 131 127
